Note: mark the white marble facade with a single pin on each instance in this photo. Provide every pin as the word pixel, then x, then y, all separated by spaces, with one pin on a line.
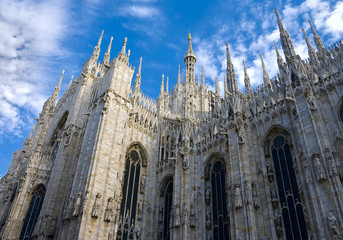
pixel 264 164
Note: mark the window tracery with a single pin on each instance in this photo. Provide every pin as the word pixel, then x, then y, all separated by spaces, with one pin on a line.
pixel 134 183
pixel 217 216
pixel 168 201
pixel 33 213
pixel 291 208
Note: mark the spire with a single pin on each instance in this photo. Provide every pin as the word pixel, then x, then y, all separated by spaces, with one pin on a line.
pixel 202 77
pixel 33 128
pixel 266 79
pixel 71 80
pixel 198 78
pixel 230 72
pixel 247 82
pixel 57 88
pixel 311 51
pixel 279 59
pixel 190 49
pixel 225 86
pixel 96 50
pixel 167 84
pixel 317 39
pixel 162 86
pixel 123 50
pixel 217 88
pixel 286 42
pixel 190 61
pixel 138 78
pixel 178 77
pixel 106 59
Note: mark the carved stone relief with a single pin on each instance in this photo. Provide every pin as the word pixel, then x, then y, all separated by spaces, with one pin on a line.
pixel 96 206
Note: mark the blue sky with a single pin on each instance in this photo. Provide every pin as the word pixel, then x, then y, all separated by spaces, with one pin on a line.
pixel 38 39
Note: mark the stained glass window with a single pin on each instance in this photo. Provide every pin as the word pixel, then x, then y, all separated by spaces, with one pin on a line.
pixel 168 197
pixel 33 213
pixel 220 220
pixel 291 207
pixel 130 194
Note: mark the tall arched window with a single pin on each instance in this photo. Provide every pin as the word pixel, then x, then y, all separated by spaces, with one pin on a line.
pixel 217 217
pixel 33 213
pixel 130 194
pixel 219 211
pixel 291 206
pixel 168 201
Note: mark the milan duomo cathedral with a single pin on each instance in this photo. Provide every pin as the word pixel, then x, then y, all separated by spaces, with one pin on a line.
pixel 107 162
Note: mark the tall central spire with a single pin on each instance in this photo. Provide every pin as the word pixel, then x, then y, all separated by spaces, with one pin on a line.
pixel 230 72
pixel 190 60
pixel 286 42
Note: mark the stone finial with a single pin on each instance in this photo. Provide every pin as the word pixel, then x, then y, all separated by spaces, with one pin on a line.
pixel 318 41
pixel 138 78
pixel 230 72
pixel 286 42
pixel 71 80
pixel 31 133
pixel 123 50
pixel 247 82
pixel 106 59
pixel 162 86
pixel 266 79
pixel 217 88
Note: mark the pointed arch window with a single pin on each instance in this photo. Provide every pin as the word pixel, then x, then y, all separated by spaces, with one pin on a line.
pixel 219 210
pixel 130 195
pixel 168 201
pixel 217 216
pixel 33 213
pixel 291 206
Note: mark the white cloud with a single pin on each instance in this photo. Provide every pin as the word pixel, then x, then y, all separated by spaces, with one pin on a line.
pixel 30 33
pixel 138 11
pixel 334 22
pixel 257 37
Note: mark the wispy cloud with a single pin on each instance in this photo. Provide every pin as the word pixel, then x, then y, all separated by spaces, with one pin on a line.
pixel 254 36
pixel 138 11
pixel 30 32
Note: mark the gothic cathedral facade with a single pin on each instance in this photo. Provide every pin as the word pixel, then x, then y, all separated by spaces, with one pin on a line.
pixel 107 162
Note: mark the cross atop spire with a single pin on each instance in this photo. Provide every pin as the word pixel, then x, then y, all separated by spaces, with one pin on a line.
pixel 230 72
pixel 286 42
